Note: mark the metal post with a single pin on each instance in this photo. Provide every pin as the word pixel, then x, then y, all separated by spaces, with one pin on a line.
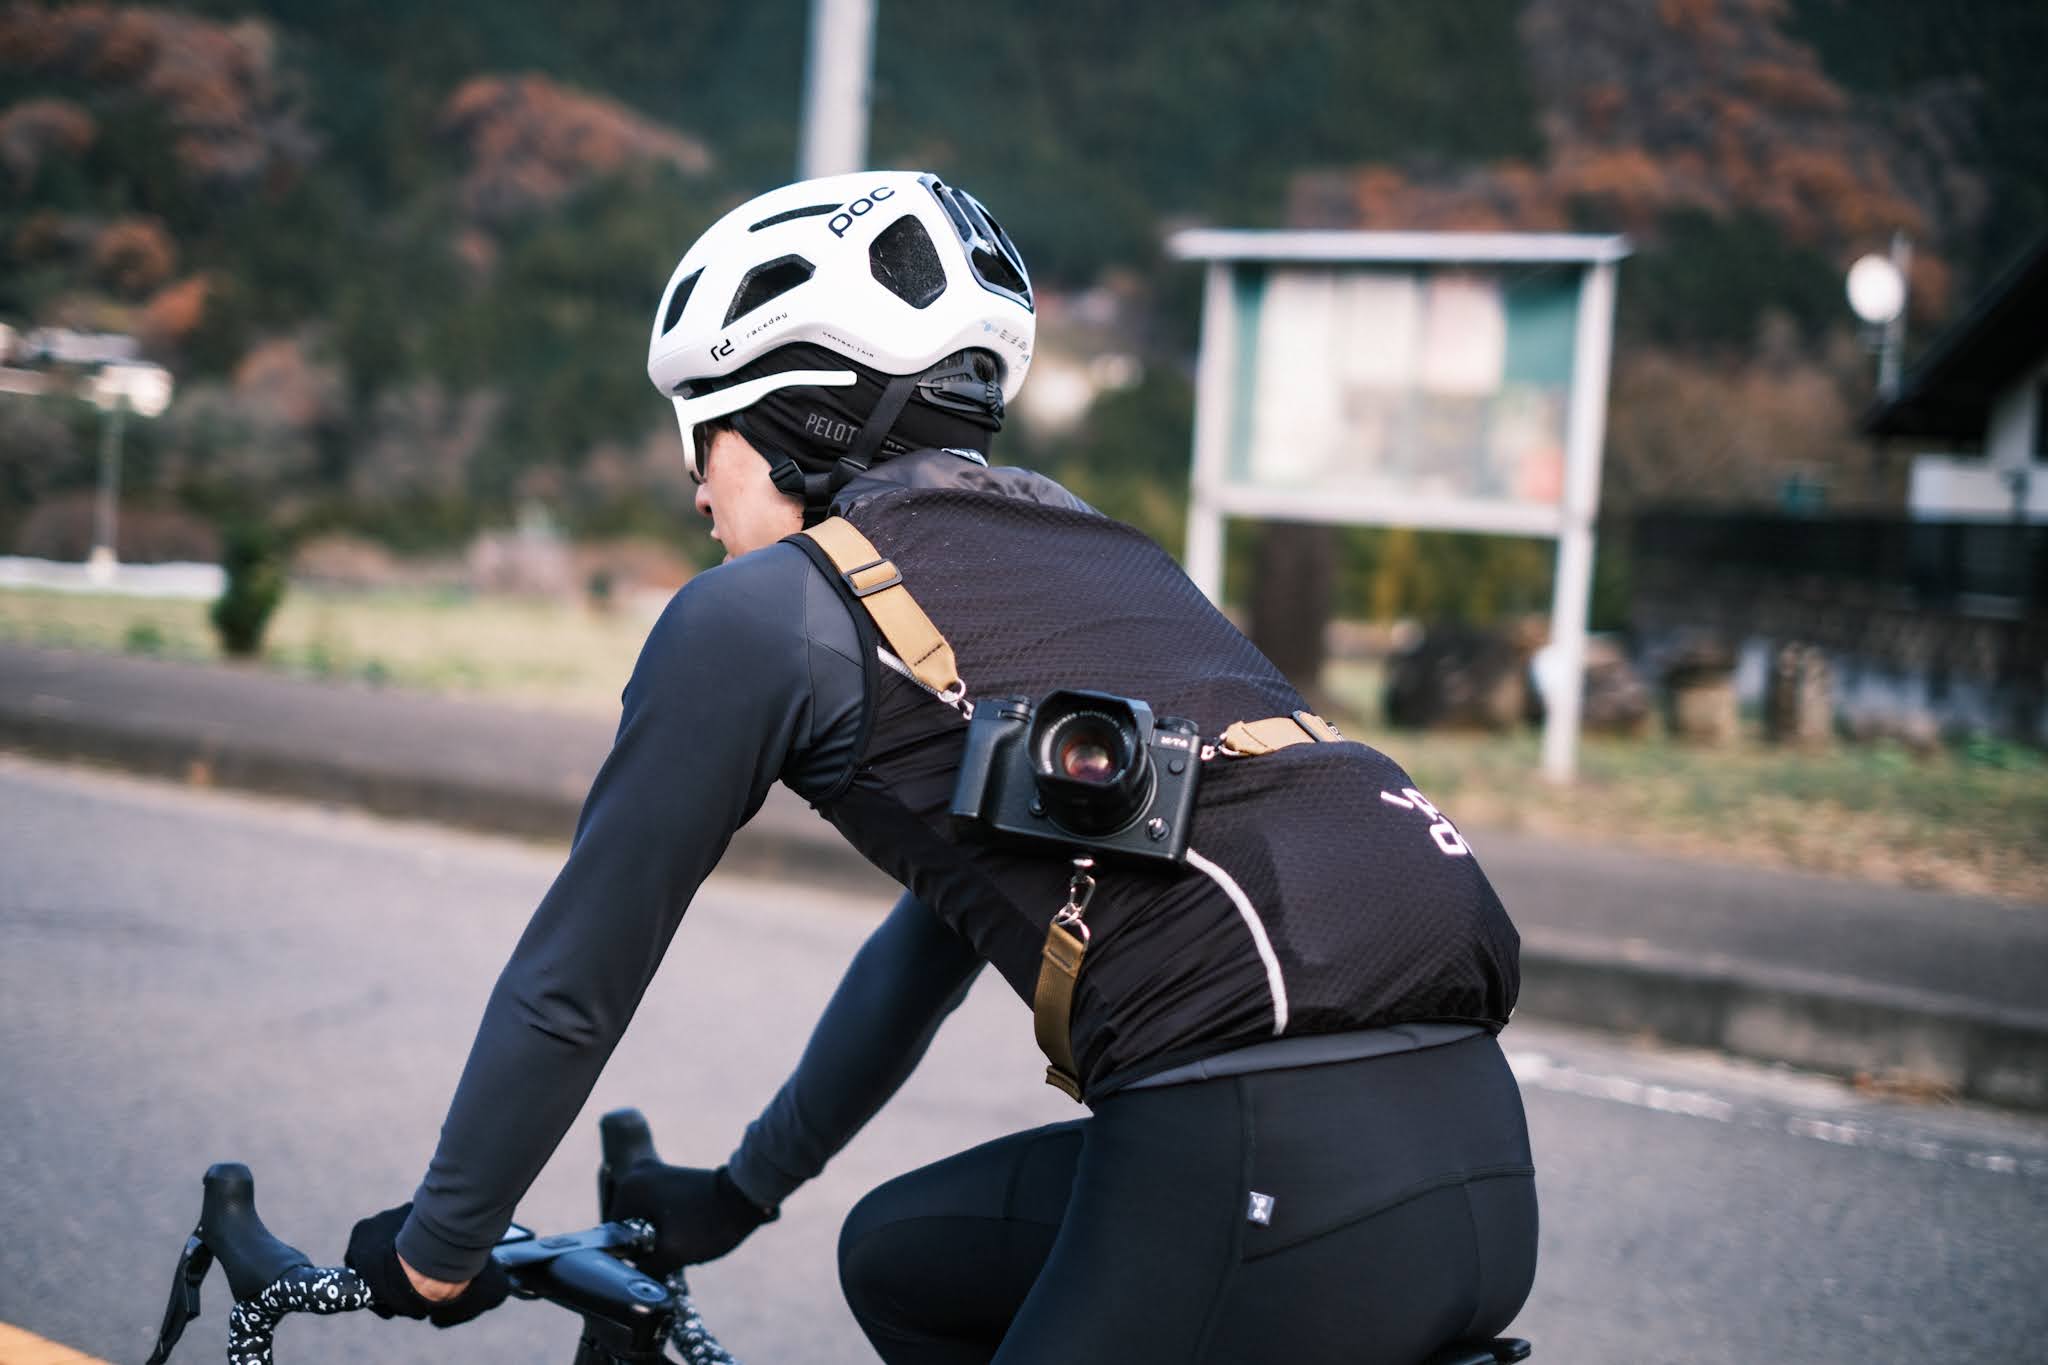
pixel 1893 344
pixel 1586 427
pixel 1215 368
pixel 835 131
pixel 107 507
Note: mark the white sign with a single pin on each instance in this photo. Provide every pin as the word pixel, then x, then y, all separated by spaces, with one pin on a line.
pixel 66 347
pixel 143 388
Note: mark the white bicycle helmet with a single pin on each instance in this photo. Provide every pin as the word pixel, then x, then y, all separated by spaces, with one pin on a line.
pixel 893 270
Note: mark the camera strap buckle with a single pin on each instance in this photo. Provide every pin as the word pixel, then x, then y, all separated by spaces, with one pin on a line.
pixel 870 588
pixel 875 582
pixel 1052 1002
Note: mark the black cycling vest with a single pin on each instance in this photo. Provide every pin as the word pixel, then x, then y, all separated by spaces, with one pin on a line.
pixel 1337 901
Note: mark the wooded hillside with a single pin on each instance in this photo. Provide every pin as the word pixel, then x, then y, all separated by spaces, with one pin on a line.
pixel 401 256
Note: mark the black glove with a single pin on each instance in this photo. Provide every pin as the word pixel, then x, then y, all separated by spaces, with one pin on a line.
pixel 698 1215
pixel 373 1254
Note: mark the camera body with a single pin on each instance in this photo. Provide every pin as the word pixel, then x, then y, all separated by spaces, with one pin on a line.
pixel 1080 772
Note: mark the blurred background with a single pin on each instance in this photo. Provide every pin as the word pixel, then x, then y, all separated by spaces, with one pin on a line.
pixel 398 263
pixel 329 471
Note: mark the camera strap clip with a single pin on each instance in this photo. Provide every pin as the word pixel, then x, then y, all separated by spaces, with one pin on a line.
pixel 1052 1002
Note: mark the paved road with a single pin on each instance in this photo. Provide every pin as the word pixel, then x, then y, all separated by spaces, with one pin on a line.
pixel 189 977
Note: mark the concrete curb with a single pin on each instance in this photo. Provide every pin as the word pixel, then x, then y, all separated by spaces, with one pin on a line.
pixel 1916 1041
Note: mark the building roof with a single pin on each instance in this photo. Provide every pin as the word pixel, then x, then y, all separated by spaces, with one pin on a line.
pixel 1950 391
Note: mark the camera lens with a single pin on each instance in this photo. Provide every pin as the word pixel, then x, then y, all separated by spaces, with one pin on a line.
pixel 1086 758
pixel 1089 763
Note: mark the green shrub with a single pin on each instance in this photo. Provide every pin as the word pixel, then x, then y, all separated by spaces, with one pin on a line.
pixel 255 585
pixel 143 637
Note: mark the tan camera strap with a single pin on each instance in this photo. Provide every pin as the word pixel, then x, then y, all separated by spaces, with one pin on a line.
pixel 876 582
pixel 1059 971
pixel 1247 738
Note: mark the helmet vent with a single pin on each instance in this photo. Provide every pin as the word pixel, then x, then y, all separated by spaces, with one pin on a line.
pixel 989 249
pixel 997 271
pixel 789 214
pixel 678 300
pixel 905 262
pixel 768 281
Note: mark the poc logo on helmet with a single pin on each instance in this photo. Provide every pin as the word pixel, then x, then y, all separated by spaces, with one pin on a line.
pixel 843 219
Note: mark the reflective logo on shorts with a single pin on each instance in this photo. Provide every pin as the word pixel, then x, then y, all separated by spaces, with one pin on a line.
pixel 1261 1210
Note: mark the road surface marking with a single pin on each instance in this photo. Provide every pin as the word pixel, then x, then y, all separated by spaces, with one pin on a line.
pixel 1546 1073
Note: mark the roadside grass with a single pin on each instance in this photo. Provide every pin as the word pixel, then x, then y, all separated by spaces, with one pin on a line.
pixel 527 651
pixel 1971 819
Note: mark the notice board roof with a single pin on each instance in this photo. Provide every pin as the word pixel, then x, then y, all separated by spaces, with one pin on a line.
pixel 1451 248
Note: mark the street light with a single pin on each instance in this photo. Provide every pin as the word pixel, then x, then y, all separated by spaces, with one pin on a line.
pixel 114 390
pixel 1877 293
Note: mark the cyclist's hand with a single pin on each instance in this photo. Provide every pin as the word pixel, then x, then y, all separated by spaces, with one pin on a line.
pixel 698 1215
pixel 373 1254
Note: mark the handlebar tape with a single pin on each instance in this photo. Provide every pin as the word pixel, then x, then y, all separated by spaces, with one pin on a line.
pixel 303 1289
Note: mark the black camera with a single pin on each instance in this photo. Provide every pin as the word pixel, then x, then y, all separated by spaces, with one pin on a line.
pixel 1083 771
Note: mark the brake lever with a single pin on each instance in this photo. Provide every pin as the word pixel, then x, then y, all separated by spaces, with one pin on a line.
pixel 193 1264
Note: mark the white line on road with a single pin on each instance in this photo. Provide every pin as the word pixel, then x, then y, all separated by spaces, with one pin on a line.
pixel 1545 1073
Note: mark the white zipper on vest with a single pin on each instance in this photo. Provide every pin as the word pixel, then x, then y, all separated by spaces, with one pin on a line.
pixel 1275 983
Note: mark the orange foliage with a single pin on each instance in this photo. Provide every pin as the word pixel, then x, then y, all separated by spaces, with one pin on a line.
pixel 134 256
pixel 1793 85
pixel 279 382
pixel 532 141
pixel 1625 179
pixel 1684 104
pixel 127 44
pixel 1698 19
pixel 1848 205
pixel 215 82
pixel 173 313
pixel 34 129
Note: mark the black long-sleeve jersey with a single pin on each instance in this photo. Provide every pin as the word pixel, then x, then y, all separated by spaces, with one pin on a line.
pixel 752 675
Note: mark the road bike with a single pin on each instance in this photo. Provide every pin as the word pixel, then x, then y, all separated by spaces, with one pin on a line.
pixel 629 1317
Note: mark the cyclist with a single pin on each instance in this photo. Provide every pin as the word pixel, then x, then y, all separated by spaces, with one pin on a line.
pixel 1303 1142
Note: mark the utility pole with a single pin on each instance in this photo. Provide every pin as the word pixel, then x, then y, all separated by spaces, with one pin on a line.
pixel 116 390
pixel 1891 356
pixel 835 130
pixel 107 506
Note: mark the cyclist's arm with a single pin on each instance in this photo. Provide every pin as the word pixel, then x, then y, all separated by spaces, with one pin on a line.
pixel 912 972
pixel 752 673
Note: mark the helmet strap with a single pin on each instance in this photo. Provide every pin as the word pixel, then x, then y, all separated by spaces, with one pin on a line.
pixel 876 429
pixel 818 488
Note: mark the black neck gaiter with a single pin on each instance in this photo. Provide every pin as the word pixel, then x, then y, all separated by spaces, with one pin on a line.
pixel 812 426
